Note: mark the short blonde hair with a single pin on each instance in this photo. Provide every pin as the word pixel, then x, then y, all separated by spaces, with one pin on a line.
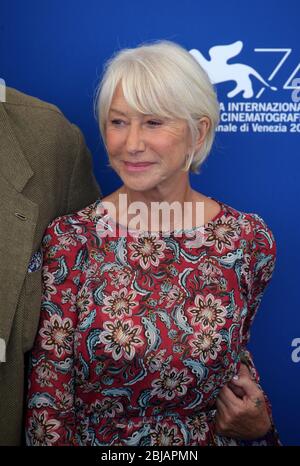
pixel 163 79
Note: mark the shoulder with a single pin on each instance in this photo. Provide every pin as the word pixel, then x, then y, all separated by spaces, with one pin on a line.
pixel 71 231
pixel 250 222
pixel 16 99
pixel 21 107
pixel 252 227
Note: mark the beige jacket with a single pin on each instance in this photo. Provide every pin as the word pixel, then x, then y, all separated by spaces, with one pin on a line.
pixel 45 172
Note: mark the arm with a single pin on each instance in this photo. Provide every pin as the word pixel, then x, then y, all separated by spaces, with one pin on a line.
pixel 50 417
pixel 244 410
pixel 83 188
pixel 261 270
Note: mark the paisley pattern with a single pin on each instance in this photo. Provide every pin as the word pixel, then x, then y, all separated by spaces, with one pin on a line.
pixel 35 262
pixel 138 334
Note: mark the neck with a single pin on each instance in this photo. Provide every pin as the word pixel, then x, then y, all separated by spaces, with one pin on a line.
pixel 150 201
pixel 182 193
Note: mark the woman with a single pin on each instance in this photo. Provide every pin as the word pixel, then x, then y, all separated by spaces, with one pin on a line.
pixel 144 321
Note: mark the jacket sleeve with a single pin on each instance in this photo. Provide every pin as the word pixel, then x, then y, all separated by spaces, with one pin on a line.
pixel 83 187
pixel 50 417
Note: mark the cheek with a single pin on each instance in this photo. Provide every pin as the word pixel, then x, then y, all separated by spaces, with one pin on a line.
pixel 173 142
pixel 113 143
pixel 172 152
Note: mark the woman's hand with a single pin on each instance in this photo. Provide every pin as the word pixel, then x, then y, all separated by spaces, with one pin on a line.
pixel 241 409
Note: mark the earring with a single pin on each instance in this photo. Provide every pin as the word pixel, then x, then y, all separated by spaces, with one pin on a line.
pixel 188 161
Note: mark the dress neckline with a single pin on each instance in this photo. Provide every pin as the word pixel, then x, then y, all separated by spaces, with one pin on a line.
pixel 200 228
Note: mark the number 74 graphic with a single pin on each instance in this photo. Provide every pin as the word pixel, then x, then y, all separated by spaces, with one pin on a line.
pixel 291 83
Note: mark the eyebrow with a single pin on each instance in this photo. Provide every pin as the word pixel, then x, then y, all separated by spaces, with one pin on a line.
pixel 125 114
pixel 117 111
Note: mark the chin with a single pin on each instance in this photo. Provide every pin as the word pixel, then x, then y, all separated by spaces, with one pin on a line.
pixel 138 182
pixel 138 186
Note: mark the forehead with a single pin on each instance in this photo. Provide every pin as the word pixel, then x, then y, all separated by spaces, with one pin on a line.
pixel 135 108
pixel 119 105
pixel 118 94
pixel 118 101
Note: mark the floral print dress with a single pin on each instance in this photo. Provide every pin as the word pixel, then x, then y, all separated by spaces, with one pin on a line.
pixel 138 334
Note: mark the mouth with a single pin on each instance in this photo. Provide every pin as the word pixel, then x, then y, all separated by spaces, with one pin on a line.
pixel 138 166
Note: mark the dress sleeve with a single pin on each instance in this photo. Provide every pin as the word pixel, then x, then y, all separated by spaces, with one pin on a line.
pixel 262 265
pixel 50 416
pixel 261 270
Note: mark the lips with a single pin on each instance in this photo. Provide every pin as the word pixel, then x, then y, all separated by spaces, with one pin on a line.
pixel 137 166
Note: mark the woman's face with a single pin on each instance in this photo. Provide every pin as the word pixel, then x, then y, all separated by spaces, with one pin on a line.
pixel 145 150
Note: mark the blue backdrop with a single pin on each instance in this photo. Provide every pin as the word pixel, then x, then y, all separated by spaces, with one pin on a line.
pixel 55 50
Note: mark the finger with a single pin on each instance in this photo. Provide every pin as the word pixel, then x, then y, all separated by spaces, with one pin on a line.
pixel 220 403
pixel 239 392
pixel 243 373
pixel 244 370
pixel 229 398
pixel 246 383
pixel 223 424
pixel 221 416
pixel 222 410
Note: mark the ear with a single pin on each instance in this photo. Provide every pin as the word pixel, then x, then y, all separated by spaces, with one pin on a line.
pixel 203 127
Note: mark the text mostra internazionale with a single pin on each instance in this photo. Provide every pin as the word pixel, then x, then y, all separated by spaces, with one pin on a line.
pixel 260 112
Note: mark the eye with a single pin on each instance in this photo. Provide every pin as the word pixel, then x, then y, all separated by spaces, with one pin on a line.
pixel 117 122
pixel 154 122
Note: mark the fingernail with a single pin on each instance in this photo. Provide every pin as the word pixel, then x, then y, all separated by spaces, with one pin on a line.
pixel 236 377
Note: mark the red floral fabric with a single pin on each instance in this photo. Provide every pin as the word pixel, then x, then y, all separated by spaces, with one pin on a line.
pixel 138 335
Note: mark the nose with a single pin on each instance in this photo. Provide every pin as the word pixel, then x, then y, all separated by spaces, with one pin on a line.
pixel 135 142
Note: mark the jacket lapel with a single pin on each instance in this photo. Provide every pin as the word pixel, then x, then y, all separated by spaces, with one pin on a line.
pixel 14 165
pixel 18 217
